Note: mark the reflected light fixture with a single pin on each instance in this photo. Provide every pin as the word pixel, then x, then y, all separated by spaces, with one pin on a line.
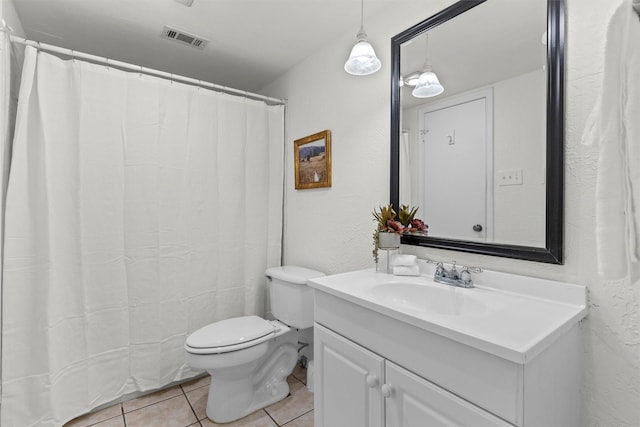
pixel 428 83
pixel 411 79
pixel 363 60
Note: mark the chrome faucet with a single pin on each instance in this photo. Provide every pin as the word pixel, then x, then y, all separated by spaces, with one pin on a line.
pixel 454 277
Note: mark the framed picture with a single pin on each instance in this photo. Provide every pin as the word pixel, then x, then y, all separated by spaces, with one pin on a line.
pixel 312 158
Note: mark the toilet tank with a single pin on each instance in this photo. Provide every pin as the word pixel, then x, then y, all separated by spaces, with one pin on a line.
pixel 291 298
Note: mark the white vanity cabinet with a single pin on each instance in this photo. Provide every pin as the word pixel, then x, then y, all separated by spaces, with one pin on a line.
pixel 356 387
pixel 347 392
pixel 414 401
pixel 408 352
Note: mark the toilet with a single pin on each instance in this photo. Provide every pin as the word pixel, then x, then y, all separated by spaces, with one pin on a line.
pixel 250 358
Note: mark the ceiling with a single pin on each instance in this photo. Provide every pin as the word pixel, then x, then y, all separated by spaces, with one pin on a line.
pixel 251 42
pixel 494 41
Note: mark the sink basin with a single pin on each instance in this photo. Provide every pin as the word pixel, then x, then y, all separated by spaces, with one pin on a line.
pixel 510 316
pixel 422 298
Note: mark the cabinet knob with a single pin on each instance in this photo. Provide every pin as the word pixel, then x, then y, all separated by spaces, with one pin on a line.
pixel 372 381
pixel 387 390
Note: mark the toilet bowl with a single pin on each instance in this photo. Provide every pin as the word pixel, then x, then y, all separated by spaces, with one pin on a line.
pixel 250 358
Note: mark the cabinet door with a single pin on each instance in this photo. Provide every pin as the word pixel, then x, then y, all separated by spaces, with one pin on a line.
pixel 412 401
pixel 347 382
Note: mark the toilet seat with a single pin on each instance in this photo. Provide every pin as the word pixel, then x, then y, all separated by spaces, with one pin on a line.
pixel 230 335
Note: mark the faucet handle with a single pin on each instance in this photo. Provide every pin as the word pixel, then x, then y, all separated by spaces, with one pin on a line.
pixel 465 275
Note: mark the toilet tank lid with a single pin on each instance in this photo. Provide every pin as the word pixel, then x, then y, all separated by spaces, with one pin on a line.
pixel 293 274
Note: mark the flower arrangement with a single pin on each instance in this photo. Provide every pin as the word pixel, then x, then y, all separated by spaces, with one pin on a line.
pixel 388 221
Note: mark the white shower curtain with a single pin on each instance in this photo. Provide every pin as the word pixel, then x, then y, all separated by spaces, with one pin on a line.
pixel 406 170
pixel 138 210
pixel 10 66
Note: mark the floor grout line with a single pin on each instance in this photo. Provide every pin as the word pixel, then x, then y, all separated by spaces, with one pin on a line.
pixel 299 416
pixel 184 393
pixel 124 419
pixel 149 404
pixel 269 415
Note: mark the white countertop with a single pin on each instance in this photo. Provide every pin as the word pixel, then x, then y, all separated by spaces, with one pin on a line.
pixel 513 317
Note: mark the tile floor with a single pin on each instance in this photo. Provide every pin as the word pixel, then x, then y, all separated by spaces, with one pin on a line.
pixel 184 406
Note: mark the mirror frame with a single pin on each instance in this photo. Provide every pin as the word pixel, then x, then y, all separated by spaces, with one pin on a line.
pixel 553 251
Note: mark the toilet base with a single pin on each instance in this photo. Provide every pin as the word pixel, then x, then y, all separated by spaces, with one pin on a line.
pixel 235 393
pixel 238 406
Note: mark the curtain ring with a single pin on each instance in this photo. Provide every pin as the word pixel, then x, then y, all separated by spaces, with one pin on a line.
pixel 38 48
pixel 73 56
pixel 106 64
pixel 141 71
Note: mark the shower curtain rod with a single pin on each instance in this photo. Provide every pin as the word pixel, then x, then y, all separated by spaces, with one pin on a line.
pixel 145 70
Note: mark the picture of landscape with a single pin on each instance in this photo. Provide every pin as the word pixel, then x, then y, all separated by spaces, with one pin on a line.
pixel 312 161
pixel 311 158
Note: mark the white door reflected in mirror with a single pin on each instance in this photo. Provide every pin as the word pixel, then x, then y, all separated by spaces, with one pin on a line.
pixel 453 155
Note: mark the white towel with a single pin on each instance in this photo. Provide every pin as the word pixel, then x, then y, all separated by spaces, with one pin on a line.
pixel 399 259
pixel 406 270
pixel 614 125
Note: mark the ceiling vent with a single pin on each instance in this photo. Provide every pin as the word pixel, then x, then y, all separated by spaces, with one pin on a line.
pixel 183 37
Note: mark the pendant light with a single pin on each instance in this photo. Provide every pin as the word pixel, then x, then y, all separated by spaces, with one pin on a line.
pixel 363 60
pixel 428 83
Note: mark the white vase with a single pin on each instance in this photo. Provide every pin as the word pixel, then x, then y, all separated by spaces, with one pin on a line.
pixel 388 240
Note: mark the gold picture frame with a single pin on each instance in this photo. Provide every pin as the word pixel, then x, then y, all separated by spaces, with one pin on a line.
pixel 312 160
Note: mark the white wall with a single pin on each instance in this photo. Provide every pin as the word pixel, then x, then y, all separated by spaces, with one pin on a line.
pixel 329 229
pixel 8 13
pixel 518 143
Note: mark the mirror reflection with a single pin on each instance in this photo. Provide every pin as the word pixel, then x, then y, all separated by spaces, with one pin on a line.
pixel 473 112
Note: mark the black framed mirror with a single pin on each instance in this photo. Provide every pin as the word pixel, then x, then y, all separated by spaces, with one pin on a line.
pixel 509 182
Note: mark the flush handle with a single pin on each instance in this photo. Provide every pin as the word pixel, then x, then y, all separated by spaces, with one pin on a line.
pixel 477 227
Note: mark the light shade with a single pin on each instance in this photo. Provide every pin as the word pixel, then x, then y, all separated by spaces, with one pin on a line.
pixel 363 59
pixel 412 79
pixel 428 85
